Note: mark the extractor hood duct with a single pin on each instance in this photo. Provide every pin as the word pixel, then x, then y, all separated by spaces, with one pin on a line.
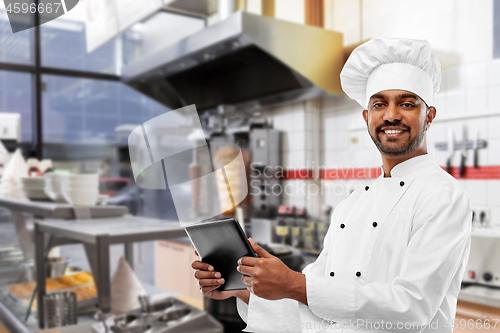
pixel 246 60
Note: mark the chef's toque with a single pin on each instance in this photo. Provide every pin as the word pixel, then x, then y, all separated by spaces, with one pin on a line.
pixel 391 63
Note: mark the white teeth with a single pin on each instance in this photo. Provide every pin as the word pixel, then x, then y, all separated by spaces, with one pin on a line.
pixel 393 131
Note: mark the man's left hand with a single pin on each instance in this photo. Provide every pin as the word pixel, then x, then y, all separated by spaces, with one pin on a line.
pixel 268 277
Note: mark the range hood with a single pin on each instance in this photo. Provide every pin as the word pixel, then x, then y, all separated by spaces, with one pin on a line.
pixel 246 60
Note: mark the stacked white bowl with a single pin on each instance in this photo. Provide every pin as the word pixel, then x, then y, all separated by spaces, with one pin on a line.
pixel 82 189
pixel 34 187
pixel 55 182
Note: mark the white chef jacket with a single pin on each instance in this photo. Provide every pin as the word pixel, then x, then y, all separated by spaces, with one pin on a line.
pixel 393 260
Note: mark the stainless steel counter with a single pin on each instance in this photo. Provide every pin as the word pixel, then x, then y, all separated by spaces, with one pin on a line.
pixel 58 210
pixel 480 295
pixel 119 230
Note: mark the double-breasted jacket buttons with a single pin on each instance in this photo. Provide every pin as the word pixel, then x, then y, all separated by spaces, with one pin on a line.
pixel 374 224
pixel 342 225
pixel 332 274
pixel 402 183
pixel 358 274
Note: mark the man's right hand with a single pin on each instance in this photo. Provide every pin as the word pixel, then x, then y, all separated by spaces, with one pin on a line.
pixel 209 281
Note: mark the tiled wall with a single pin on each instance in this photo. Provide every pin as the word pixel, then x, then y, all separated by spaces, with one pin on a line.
pixel 469 95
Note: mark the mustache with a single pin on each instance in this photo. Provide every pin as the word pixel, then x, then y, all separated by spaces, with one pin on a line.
pixel 395 124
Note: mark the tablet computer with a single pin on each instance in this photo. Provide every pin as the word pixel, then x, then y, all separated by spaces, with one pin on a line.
pixel 221 244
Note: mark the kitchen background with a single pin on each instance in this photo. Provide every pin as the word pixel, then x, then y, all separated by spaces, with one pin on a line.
pixel 74 88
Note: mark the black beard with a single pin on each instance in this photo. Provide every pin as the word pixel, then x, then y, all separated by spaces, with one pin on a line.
pixel 404 149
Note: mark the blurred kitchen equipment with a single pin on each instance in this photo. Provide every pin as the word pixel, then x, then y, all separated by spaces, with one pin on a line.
pixel 463 151
pixel 54 184
pixel 144 301
pixel 160 306
pixel 450 145
pixel 34 188
pixel 260 147
pixel 450 151
pixel 264 176
pixel 285 223
pixel 163 316
pixel 56 266
pixel 60 309
pixel 10 126
pixel 102 318
pixel 298 229
pixel 481 280
pixel 263 230
pixel 475 147
pixel 81 189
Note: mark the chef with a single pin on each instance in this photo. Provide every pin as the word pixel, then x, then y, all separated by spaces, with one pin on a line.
pixel 396 250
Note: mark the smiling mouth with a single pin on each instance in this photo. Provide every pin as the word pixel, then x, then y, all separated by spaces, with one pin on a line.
pixel 393 133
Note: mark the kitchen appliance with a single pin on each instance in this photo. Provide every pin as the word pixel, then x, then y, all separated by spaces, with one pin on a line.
pixel 265 182
pixel 481 281
pixel 245 60
pixel 260 147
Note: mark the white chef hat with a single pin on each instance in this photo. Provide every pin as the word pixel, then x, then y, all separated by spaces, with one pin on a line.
pixel 391 63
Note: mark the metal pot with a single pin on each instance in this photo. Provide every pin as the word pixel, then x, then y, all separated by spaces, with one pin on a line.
pixel 56 266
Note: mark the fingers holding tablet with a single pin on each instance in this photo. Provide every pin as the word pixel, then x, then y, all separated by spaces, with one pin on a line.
pixel 202 266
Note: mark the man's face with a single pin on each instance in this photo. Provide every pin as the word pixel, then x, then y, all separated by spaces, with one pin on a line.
pixel 397 121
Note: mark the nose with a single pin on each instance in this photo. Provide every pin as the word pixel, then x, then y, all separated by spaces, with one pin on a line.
pixel 392 112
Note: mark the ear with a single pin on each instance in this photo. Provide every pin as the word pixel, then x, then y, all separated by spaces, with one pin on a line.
pixel 431 114
pixel 365 116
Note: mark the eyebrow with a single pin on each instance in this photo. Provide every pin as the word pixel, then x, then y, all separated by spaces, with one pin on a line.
pixel 377 96
pixel 408 96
